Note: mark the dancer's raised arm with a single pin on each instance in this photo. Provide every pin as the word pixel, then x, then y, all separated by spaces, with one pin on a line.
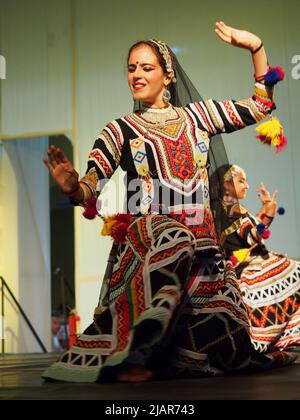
pixel 226 116
pixel 244 39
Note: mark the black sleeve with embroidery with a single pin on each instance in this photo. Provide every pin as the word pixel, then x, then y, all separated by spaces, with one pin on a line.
pixel 217 117
pixel 104 158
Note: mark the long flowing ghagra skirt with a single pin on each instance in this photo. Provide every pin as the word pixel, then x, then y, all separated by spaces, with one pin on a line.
pixel 173 306
pixel 271 292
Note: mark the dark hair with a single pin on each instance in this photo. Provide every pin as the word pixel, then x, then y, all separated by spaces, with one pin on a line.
pixel 156 51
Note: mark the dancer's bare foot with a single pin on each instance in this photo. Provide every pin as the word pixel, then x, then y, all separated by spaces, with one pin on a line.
pixel 136 373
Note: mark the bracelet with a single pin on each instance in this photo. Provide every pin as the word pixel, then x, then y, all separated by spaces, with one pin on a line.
pixel 258 49
pixel 263 215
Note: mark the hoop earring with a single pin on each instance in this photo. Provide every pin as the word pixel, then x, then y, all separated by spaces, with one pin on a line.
pixel 166 96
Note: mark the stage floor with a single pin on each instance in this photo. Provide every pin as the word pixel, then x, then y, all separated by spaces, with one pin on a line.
pixel 20 379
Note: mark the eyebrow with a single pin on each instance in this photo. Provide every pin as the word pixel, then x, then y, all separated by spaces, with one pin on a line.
pixel 142 64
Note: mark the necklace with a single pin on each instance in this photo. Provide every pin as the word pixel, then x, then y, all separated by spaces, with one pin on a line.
pixel 158 117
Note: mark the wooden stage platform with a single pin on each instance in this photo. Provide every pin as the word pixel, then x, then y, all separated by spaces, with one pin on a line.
pixel 20 379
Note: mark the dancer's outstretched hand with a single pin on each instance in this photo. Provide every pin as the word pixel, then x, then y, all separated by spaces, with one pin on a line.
pixel 271 207
pixel 268 201
pixel 237 37
pixel 263 194
pixel 62 170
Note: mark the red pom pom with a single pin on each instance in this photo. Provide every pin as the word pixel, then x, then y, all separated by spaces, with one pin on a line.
pixel 280 72
pixel 119 234
pixel 124 218
pixel 120 228
pixel 282 144
pixel 266 234
pixel 117 226
pixel 90 209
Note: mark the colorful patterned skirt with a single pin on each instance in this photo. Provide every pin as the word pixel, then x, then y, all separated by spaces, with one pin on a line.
pixel 171 305
pixel 271 293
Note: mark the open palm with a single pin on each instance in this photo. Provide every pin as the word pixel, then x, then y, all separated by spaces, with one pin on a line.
pixel 263 194
pixel 237 37
pixel 271 207
pixel 61 170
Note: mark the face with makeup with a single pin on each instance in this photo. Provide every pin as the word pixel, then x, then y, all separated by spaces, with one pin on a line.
pixel 237 187
pixel 146 77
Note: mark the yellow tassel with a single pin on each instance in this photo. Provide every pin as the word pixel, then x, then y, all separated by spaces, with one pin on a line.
pixel 109 223
pixel 270 128
pixel 276 141
pixel 270 132
pixel 242 255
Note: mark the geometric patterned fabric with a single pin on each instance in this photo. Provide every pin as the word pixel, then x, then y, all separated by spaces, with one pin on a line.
pixel 172 303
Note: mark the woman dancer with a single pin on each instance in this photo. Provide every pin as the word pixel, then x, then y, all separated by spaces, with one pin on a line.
pixel 171 303
pixel 269 282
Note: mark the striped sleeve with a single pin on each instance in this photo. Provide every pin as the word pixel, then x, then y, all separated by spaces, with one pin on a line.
pixel 104 158
pixel 244 231
pixel 230 115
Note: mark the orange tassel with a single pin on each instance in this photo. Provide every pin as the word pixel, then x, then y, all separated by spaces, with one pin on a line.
pixel 116 226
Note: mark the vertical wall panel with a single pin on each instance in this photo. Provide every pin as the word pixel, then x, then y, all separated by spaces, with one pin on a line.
pixel 25 241
pixel 35 39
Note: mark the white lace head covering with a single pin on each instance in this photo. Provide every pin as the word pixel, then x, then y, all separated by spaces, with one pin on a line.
pixel 166 54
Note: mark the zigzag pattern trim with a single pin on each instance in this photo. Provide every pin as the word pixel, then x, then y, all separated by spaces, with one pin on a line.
pixel 269 295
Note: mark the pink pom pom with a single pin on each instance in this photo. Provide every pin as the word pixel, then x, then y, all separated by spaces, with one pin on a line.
pixel 234 260
pixel 266 234
pixel 283 144
pixel 280 72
